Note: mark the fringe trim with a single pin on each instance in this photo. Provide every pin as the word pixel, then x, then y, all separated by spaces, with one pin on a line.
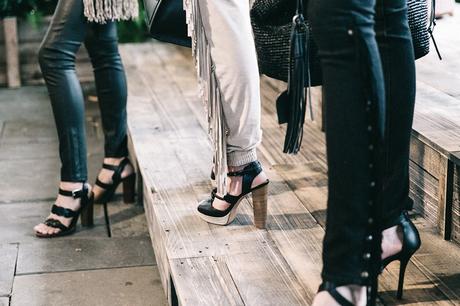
pixel 102 11
pixel 209 91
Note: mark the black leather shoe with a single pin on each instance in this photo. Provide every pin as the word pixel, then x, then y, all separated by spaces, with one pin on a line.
pixel 411 243
pixel 86 211
pixel 129 183
pixel 259 198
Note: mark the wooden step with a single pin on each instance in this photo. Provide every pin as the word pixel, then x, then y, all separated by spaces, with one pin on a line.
pixel 203 264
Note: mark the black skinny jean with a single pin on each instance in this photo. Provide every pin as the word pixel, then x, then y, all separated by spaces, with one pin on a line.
pixel 68 30
pixel 369 90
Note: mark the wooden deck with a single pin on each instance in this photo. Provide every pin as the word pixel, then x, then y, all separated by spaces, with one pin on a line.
pixel 202 264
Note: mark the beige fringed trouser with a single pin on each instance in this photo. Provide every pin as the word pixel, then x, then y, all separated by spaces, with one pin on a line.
pixel 226 60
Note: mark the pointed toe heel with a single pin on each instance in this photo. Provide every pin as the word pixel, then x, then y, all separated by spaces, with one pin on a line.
pixel 259 202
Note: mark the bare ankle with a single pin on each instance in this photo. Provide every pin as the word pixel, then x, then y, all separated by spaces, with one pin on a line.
pixel 391 241
pixel 113 160
pixel 70 185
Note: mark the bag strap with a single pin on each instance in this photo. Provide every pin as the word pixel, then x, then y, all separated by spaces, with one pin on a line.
pixel 432 25
pixel 299 7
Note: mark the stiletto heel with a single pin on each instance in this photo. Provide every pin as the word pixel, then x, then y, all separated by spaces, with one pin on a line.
pixel 87 213
pixel 109 189
pixel 402 271
pixel 259 193
pixel 85 210
pixel 410 244
pixel 259 202
pixel 129 184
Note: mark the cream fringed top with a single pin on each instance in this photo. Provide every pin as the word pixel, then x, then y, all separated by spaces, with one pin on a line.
pixel 102 11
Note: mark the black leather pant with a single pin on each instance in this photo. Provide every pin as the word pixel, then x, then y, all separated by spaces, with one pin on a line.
pixel 68 30
pixel 369 90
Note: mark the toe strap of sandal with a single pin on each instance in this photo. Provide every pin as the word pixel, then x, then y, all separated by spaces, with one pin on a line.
pixel 55 224
pixel 332 290
pixel 63 212
pixel 227 198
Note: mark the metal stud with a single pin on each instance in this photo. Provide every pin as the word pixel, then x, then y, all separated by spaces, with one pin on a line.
pixel 367 256
pixel 370 220
pixel 371 166
pixel 371 147
pixel 369 238
pixel 350 32
pixel 364 274
pixel 369 128
pixel 372 184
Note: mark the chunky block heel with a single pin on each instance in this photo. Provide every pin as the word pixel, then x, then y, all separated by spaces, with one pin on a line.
pixel 129 187
pixel 87 214
pixel 259 202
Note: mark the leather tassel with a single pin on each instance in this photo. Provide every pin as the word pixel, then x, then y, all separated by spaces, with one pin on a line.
pixel 294 99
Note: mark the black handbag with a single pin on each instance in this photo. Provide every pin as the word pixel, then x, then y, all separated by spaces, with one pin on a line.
pixel 272 19
pixel 166 21
pixel 272 27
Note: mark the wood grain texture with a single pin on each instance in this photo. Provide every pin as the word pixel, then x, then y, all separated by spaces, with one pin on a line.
pixel 205 264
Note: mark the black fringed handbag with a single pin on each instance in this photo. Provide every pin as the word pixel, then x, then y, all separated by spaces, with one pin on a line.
pixel 286 51
pixel 166 21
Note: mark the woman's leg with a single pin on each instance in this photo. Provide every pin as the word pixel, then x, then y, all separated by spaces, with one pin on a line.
pixel 57 61
pixel 397 54
pixel 358 182
pixel 353 89
pixel 228 70
pixel 102 45
pixel 229 34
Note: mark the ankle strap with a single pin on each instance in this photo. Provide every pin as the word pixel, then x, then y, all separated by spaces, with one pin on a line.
pixel 253 168
pixel 76 194
pixel 117 169
pixel 249 173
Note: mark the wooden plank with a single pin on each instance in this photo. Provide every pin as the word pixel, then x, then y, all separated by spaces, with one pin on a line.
pixel 12 52
pixel 204 281
pixel 426 157
pixel 424 191
pixel 446 182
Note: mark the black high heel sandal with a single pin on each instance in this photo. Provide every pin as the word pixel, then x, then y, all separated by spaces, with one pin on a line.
pixel 411 243
pixel 259 198
pixel 86 211
pixel 129 183
pixel 331 288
